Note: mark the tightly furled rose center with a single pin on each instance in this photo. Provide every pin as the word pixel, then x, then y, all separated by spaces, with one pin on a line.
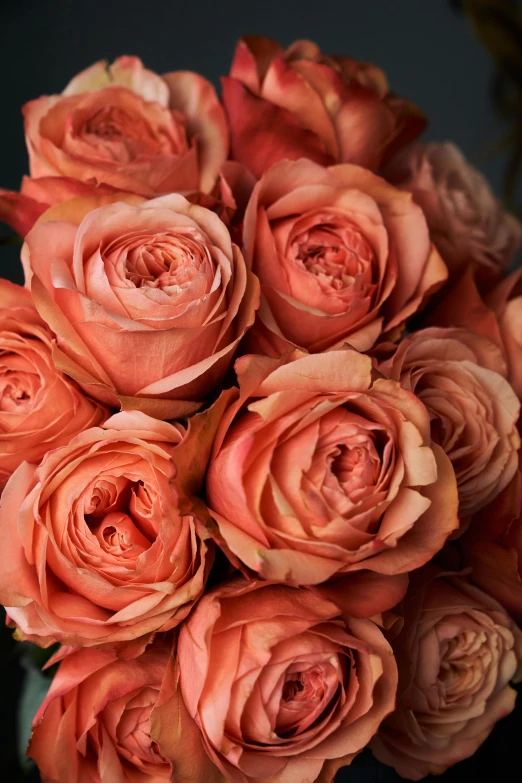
pixel 19 383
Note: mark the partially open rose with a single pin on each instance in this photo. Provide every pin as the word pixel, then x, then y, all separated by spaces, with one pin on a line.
pixel 40 408
pixel 341 255
pixel 318 469
pixel 125 126
pixel 299 103
pixel 284 685
pixel 457 652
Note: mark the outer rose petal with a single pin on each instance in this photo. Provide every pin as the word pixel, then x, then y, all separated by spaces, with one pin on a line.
pixel 126 72
pixel 19 211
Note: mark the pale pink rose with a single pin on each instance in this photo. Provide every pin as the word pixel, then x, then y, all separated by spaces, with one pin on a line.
pixel 318 469
pixel 467 223
pixel 148 299
pixel 456 653
pixel 458 375
pixel 125 126
pixel 342 256
pixel 100 545
pixel 284 685
pixel 40 408
pixel 299 103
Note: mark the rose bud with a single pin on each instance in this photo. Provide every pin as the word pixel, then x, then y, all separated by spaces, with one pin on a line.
pixel 158 284
pixel 456 653
pixel 319 470
pixel 299 103
pixel 341 256
pixel 100 546
pixel 283 684
pixel 458 375
pixel 467 223
pixel 40 408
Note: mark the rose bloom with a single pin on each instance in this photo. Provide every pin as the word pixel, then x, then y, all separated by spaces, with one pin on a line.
pixel 341 255
pixel 125 126
pixel 300 103
pixel 97 550
pixel 40 408
pixel 458 376
pixel 319 470
pixel 467 223
pixel 157 284
pixel 109 737
pixel 456 654
pixel 284 685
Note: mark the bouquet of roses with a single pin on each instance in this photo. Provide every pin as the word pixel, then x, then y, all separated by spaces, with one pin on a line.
pixel 258 427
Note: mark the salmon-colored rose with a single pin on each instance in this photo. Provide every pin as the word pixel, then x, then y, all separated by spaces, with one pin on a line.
pixel 319 470
pixel 125 126
pixel 467 223
pixel 457 652
pixel 148 299
pixel 299 103
pixel 341 255
pixel 40 408
pixel 284 685
pixel 458 376
pixel 95 722
pixel 97 549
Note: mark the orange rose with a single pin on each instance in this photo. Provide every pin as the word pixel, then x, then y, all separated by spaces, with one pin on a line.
pixel 300 103
pixel 125 126
pixel 473 409
pixel 157 284
pixel 320 470
pixel 341 255
pixel 98 549
pixel 283 684
pixel 40 408
pixel 456 654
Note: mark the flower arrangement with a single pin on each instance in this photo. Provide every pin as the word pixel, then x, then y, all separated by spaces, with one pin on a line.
pixel 259 427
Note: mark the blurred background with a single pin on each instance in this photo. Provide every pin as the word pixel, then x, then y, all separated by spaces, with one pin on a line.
pixel 460 61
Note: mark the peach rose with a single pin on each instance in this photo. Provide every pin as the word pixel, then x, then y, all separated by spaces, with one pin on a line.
pixel 473 409
pixel 99 546
pixel 125 126
pixel 341 255
pixel 283 684
pixel 157 284
pixel 456 654
pixel 467 223
pixel 300 103
pixel 40 408
pixel 108 740
pixel 319 470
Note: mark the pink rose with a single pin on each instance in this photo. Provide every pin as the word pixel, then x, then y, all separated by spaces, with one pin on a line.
pixel 473 410
pixel 457 652
pixel 318 469
pixel 283 684
pixel 125 126
pixel 40 408
pixel 100 547
pixel 157 284
pixel 341 255
pixel 467 223
pixel 299 103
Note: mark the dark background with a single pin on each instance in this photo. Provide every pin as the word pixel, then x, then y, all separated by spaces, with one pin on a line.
pixel 430 54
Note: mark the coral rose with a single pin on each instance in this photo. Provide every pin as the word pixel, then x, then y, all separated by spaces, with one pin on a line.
pixel 341 255
pixel 467 223
pixel 98 550
pixel 158 283
pixel 319 470
pixel 456 654
pixel 125 126
pixel 473 409
pixel 299 103
pixel 283 684
pixel 40 408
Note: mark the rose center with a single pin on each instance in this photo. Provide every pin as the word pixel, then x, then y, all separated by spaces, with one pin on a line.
pixel 338 256
pixel 17 391
pixel 355 467
pixel 464 663
pixel 166 262
pixel 122 135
